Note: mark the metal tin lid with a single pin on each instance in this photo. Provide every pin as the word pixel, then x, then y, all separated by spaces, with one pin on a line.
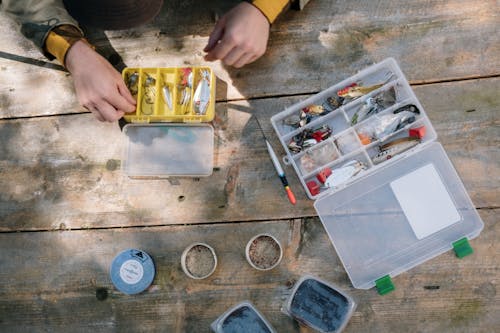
pixel 168 149
pixel 132 271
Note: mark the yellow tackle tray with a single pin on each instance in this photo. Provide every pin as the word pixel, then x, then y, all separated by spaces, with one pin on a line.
pixel 149 94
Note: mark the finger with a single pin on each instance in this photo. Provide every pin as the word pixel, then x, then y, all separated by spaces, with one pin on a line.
pixel 121 102
pixel 233 56
pixel 255 57
pixel 98 115
pixel 123 90
pixel 245 59
pixel 108 112
pixel 221 49
pixel 216 35
pixel 94 111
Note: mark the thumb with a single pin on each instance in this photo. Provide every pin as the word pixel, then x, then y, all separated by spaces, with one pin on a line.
pixel 216 34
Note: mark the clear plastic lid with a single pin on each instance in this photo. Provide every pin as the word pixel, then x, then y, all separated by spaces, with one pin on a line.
pixel 165 150
pixel 399 217
pixel 319 305
pixel 242 318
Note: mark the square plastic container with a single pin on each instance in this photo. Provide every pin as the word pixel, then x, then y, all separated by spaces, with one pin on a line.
pixel 168 135
pixel 166 150
pixel 242 318
pixel 384 212
pixel 319 305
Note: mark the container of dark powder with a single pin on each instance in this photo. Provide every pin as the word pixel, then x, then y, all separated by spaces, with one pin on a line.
pixel 319 305
pixel 263 252
pixel 242 318
pixel 199 261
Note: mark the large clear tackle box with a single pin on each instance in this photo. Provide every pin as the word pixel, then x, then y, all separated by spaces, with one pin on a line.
pixel 169 133
pixel 384 188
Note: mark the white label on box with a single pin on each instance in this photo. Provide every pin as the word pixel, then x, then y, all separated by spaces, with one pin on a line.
pixel 425 201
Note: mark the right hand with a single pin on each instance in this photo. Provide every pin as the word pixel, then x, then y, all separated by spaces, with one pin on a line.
pixel 99 87
pixel 239 37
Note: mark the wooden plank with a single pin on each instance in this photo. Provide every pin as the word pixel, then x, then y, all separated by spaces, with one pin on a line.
pixel 49 281
pixel 308 50
pixel 465 116
pixel 29 84
pixel 64 172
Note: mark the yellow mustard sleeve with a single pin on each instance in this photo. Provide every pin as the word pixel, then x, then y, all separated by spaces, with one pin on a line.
pixel 60 39
pixel 57 46
pixel 270 8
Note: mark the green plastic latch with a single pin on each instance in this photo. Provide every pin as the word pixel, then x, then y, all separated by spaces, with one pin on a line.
pixel 384 285
pixel 462 248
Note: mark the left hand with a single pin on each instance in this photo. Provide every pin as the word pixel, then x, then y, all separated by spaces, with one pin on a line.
pixel 239 37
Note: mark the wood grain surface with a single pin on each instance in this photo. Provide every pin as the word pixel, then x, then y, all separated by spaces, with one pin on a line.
pixel 67 209
pixel 50 281
pixel 64 172
pixel 307 52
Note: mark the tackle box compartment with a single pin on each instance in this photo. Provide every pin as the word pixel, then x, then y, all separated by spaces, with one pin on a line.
pixel 383 213
pixel 179 83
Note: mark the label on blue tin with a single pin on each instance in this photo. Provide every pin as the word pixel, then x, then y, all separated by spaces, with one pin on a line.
pixel 132 271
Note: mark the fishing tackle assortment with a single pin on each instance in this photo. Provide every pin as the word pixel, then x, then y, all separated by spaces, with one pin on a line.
pixel 383 187
pixel 350 128
pixel 181 94
pixel 169 134
pixel 385 125
pixel 309 138
pixel 328 178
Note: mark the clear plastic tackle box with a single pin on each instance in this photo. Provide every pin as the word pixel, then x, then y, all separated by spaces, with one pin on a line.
pixel 384 188
pixel 169 134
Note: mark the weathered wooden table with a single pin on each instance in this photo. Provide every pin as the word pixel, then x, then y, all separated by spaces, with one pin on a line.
pixel 66 209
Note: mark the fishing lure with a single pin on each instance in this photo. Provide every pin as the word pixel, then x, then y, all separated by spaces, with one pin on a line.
pixel 132 83
pixel 355 91
pixel 387 124
pixel 314 109
pixel 309 138
pixel 186 84
pixel 374 105
pixel 344 173
pixel 187 77
pixel 149 95
pixel 333 103
pixel 202 93
pixel 167 97
pixel 395 147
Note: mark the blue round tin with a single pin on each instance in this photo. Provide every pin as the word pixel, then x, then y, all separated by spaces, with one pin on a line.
pixel 132 271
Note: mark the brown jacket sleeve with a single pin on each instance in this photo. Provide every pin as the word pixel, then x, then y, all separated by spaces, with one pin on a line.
pixel 37 18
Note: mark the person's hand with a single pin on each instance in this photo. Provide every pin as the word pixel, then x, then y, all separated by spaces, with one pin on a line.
pixel 99 87
pixel 239 37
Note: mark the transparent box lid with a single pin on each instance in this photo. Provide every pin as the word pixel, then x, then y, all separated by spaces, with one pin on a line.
pixel 398 217
pixel 168 149
pixel 242 318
